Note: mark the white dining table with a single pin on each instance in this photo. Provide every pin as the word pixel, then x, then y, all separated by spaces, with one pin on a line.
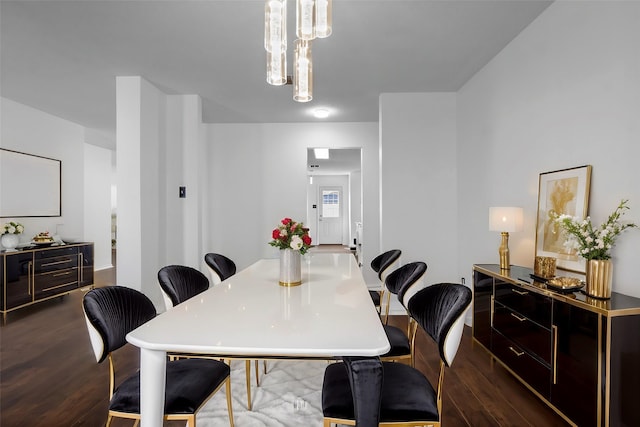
pixel 329 315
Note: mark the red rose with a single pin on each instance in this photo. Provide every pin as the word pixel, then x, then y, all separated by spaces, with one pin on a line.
pixel 286 221
pixel 275 234
pixel 306 239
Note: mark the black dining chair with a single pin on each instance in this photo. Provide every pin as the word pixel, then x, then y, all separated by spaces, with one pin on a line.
pixel 111 313
pixel 401 279
pixel 408 398
pixel 383 264
pixel 220 267
pixel 401 342
pixel 178 284
pixel 364 393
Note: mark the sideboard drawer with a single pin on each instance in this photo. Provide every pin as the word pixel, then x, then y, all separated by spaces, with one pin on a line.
pixel 59 262
pixel 56 252
pixel 530 304
pixel 529 369
pixel 523 332
pixel 55 281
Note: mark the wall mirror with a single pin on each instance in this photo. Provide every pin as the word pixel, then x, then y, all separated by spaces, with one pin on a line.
pixel 334 194
pixel 30 186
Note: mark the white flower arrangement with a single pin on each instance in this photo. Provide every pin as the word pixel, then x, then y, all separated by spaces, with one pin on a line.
pixel 12 228
pixel 594 243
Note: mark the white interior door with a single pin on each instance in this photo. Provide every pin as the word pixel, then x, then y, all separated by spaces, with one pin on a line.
pixel 330 217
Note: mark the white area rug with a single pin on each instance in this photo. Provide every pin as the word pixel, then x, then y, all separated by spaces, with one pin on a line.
pixel 289 395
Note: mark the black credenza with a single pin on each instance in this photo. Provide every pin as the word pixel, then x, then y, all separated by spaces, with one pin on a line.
pixel 579 354
pixel 36 274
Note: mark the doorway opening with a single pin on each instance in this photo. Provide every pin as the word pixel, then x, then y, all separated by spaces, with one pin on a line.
pixel 334 196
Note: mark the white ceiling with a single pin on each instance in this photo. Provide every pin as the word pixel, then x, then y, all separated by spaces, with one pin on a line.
pixel 62 57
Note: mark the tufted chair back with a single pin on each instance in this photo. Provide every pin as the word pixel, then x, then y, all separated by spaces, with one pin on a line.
pixel 382 263
pixel 111 313
pixel 403 277
pixel 221 267
pixel 439 309
pixel 179 283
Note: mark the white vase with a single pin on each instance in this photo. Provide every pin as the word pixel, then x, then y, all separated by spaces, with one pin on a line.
pixel 10 241
pixel 290 268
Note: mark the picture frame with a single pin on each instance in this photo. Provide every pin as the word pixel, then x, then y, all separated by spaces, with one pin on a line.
pixel 30 185
pixel 564 191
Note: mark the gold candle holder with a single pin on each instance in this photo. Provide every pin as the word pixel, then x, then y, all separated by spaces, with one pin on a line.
pixel 545 266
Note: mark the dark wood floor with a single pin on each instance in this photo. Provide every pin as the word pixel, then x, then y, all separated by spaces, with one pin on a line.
pixel 49 377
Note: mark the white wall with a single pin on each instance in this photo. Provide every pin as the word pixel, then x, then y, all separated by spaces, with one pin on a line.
pixel 97 203
pixel 564 93
pixel 32 131
pixel 159 148
pixel 258 175
pixel 355 182
pixel 183 164
pixel 419 179
pixel 85 197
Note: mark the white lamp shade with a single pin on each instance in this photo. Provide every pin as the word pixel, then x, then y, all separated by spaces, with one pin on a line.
pixel 507 219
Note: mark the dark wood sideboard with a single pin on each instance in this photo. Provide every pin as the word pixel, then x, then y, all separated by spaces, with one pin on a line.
pixel 33 274
pixel 580 355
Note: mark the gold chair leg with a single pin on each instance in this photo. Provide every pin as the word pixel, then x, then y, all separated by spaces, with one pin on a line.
pixel 109 419
pixel 247 366
pixel 257 373
pixel 229 408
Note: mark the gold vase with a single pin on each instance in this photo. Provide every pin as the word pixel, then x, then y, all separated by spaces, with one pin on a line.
pixel 599 277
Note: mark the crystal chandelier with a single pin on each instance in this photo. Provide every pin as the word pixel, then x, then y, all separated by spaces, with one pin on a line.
pixel 313 19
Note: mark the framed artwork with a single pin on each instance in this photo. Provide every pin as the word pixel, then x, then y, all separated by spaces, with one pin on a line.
pixel 30 185
pixel 560 192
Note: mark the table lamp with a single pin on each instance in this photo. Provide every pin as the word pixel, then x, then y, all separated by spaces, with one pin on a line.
pixel 505 220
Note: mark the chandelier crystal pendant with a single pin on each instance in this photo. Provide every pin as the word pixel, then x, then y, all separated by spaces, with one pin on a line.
pixel 323 18
pixel 275 25
pixel 313 19
pixel 306 19
pixel 303 72
pixel 275 41
pixel 277 68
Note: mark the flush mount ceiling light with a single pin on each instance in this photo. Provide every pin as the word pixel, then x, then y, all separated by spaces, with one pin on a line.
pixel 320 113
pixel 321 153
pixel 313 19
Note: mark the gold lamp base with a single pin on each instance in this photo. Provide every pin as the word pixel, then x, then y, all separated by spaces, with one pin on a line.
pixel 503 251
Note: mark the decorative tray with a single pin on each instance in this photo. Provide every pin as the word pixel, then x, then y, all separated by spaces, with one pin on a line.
pixel 565 284
pixel 540 279
pixel 43 244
